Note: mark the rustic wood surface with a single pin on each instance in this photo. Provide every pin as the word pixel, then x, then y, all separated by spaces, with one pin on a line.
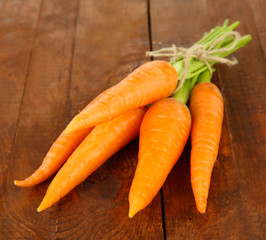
pixel 57 55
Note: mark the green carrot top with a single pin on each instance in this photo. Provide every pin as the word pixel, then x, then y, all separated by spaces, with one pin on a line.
pixel 195 63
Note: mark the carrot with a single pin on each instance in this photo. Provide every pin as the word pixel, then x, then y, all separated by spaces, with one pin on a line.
pixel 206 106
pixel 56 156
pixel 193 65
pixel 103 141
pixel 163 135
pixel 148 83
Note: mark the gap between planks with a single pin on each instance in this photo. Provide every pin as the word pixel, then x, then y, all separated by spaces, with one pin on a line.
pixel 22 97
pixel 151 58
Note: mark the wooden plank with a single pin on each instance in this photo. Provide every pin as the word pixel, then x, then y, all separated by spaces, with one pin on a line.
pixel 18 20
pixel 111 41
pixel 43 116
pixel 258 8
pixel 182 220
pixel 244 91
pixel 236 198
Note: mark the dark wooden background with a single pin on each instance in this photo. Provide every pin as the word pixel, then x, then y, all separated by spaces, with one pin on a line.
pixel 57 55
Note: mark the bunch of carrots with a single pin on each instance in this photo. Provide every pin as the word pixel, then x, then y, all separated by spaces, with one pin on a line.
pixel 119 114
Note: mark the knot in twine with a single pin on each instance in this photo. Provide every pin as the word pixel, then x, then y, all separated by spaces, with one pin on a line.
pixel 198 52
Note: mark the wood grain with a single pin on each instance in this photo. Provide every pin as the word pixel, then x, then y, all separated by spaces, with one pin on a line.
pixel 231 199
pixel 15 50
pixel 244 92
pixel 43 116
pixel 56 56
pixel 258 8
pixel 110 43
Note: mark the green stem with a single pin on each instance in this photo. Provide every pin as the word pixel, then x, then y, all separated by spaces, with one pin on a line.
pixel 220 33
pixel 212 33
pixel 241 43
pixel 208 36
pixel 184 92
pixel 204 77
pixel 196 67
pixel 198 71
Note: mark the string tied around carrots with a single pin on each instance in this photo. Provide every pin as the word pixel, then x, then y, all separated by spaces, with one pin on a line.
pixel 200 52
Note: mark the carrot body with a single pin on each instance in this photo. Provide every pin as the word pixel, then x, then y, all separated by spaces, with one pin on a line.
pixel 56 156
pixel 103 141
pixel 206 105
pixel 147 84
pixel 163 135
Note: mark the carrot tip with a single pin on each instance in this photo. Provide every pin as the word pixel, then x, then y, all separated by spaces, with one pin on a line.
pixel 69 129
pixel 131 213
pixel 23 183
pixel 202 212
pixel 136 204
pixel 201 205
pixel 202 209
pixel 41 207
pixel 20 183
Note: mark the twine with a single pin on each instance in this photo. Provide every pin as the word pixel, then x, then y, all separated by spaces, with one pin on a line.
pixel 198 52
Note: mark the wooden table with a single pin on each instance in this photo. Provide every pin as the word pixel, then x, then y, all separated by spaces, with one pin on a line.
pixel 57 55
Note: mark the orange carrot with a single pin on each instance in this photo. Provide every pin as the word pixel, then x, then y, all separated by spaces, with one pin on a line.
pixel 206 105
pixel 56 156
pixel 163 135
pixel 148 83
pixel 103 141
